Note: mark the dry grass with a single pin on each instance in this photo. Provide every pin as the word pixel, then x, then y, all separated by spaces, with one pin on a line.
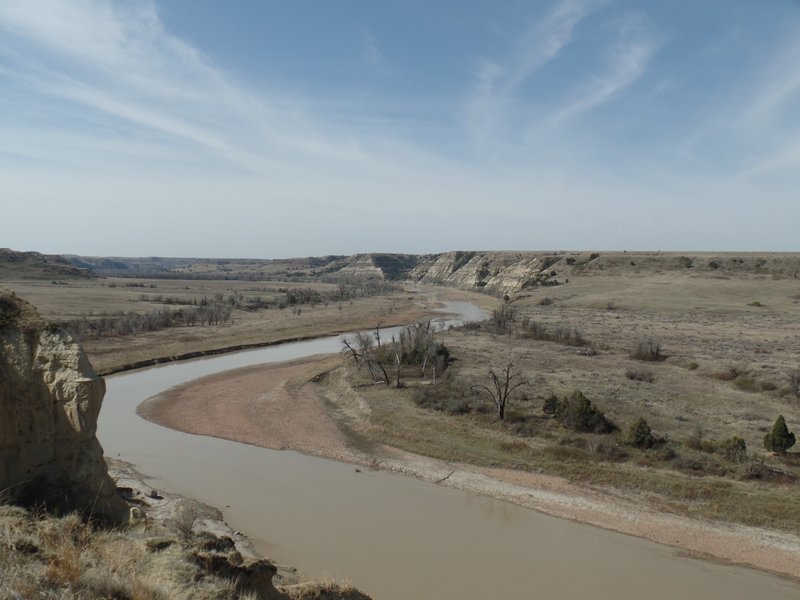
pixel 82 297
pixel 325 590
pixel 693 399
pixel 49 558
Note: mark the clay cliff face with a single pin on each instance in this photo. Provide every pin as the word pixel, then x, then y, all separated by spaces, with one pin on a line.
pixel 493 272
pixel 50 398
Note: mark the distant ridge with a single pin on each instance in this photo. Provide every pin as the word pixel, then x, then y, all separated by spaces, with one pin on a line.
pixel 34 265
pixel 495 272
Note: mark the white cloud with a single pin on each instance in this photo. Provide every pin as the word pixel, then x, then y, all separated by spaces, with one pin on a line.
pixel 627 62
pixel 770 116
pixel 779 87
pixel 499 81
pixel 373 55
pixel 108 118
pixel 123 63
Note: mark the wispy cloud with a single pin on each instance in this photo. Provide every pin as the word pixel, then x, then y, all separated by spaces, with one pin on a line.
pixel 627 62
pixel 771 113
pixel 121 61
pixel 779 88
pixel 499 80
pixel 373 55
pixel 102 105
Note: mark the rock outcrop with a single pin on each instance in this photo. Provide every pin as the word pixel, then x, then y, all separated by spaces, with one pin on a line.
pixel 493 272
pixel 50 398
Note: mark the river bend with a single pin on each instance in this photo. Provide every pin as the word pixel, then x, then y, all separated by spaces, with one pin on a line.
pixel 393 536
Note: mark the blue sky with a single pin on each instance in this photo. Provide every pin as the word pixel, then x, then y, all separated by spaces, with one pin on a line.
pixel 272 129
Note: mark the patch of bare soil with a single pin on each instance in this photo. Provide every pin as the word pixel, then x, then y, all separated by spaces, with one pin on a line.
pixel 275 406
pixel 263 405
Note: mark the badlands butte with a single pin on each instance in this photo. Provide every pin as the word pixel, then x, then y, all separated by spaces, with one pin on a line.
pixel 648 380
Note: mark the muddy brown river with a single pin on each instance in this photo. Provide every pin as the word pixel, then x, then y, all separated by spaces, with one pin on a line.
pixel 393 536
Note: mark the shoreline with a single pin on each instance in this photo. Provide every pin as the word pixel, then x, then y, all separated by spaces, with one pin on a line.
pixel 430 300
pixel 233 405
pixel 162 514
pixel 159 360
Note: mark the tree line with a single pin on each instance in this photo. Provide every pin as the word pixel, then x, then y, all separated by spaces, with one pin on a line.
pixel 213 313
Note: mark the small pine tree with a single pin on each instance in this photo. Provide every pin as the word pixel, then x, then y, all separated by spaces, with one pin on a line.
pixel 780 439
pixel 640 435
pixel 577 412
pixel 550 405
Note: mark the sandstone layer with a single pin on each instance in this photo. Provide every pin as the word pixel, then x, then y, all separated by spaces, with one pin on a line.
pixel 50 398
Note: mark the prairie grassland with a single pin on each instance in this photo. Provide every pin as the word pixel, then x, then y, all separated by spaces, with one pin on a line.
pixel 728 345
pixel 96 298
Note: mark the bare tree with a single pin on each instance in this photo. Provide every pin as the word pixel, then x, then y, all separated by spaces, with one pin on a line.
pixel 503 385
pixel 503 317
pixel 397 362
pixel 430 357
pixel 362 350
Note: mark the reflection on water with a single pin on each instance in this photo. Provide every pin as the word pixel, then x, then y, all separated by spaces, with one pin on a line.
pixel 393 536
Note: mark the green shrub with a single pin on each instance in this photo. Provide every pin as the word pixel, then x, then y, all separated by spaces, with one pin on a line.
pixel 733 449
pixel 578 413
pixel 9 311
pixel 550 405
pixel 780 439
pixel 640 435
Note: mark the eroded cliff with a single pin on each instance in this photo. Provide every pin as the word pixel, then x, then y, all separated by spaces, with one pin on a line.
pixel 50 398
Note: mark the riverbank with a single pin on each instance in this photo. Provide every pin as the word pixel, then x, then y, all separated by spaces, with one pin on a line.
pixel 173 548
pixel 276 322
pixel 281 407
pixel 422 307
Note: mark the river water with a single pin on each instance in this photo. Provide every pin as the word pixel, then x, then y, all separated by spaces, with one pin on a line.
pixel 393 536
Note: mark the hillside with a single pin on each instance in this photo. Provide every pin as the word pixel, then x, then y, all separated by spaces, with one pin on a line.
pixel 494 272
pixel 33 265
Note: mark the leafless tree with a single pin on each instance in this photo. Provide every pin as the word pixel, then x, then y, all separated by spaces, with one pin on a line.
pixel 503 383
pixel 362 350
pixel 503 317
pixel 397 362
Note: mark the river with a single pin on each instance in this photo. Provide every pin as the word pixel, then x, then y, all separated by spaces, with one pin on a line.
pixel 393 536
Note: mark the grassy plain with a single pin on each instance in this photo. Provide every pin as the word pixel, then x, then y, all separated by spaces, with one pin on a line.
pixel 95 298
pixel 729 332
pixel 729 342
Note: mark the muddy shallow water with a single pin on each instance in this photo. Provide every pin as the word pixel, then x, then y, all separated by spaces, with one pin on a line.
pixel 390 535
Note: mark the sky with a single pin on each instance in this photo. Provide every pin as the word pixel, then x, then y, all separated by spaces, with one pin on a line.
pixel 271 129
